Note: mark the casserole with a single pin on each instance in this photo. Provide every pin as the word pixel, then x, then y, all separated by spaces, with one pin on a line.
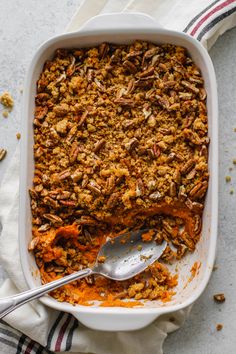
pixel 123 29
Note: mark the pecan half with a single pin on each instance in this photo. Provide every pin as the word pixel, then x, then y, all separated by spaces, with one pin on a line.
pixel 54 219
pixel 187 167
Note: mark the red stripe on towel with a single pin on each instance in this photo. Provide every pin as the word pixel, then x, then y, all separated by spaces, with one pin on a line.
pixel 30 347
pixel 216 9
pixel 61 334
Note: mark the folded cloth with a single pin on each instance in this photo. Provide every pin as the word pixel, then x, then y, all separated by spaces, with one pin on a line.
pixel 35 328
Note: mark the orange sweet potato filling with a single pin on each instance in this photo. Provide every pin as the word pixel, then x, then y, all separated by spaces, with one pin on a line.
pixel 52 247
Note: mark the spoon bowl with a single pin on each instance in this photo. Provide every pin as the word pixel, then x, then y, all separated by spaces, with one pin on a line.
pixel 127 255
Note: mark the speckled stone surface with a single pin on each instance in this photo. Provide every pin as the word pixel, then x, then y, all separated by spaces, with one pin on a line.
pixel 24 25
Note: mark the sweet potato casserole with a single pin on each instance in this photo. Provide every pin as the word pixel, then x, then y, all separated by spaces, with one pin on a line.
pixel 120 144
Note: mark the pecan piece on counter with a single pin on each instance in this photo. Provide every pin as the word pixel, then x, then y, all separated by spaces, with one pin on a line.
pixel 219 298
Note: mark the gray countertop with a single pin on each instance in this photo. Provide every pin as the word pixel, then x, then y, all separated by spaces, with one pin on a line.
pixel 24 24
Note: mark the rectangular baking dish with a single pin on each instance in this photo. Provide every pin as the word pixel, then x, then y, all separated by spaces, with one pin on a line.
pixel 124 28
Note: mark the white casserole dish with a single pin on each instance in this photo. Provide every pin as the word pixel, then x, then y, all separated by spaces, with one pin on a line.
pixel 124 28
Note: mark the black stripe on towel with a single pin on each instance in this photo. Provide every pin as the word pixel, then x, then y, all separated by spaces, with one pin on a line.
pixel 21 343
pixel 199 15
pixel 214 22
pixel 10 334
pixel 70 335
pixel 52 331
pixel 8 342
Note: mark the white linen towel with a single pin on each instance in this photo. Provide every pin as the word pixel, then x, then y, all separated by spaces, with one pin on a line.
pixel 34 328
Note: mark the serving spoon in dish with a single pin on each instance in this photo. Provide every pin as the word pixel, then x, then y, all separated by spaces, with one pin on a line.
pixel 120 258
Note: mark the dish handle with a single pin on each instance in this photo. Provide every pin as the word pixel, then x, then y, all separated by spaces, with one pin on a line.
pixel 121 20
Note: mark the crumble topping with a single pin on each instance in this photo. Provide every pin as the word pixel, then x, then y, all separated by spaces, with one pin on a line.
pixel 6 100
pixel 121 143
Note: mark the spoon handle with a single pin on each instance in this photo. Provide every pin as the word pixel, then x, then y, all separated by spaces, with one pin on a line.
pixel 10 303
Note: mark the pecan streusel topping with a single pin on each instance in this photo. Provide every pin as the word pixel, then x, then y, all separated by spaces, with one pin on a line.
pixel 120 142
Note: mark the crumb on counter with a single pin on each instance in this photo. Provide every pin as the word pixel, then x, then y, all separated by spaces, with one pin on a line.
pixel 231 191
pixel 219 298
pixel 227 179
pixel 234 161
pixel 219 327
pixel 18 136
pixel 3 153
pixel 215 268
pixel 5 114
pixel 6 100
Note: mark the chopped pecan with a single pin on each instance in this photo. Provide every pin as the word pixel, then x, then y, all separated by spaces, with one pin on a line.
pixel 177 176
pixel 44 228
pixel 94 187
pixel 202 94
pixel 131 86
pixel 132 144
pixel 147 72
pixel 151 52
pixel 219 298
pixel 129 66
pixel 71 68
pixel 113 199
pixel 198 190
pixel 190 86
pixel 99 85
pixel 125 102
pixel 163 102
pixel 187 167
pixel 83 118
pixel 155 196
pixel 182 194
pixel 99 145
pixel 194 206
pixel 68 203
pixel 41 98
pixel 64 174
pixel 40 112
pixel 33 194
pixel 33 243
pixel 85 181
pixel 191 174
pixel 87 220
pixel 103 49
pixel 170 157
pixel 172 189
pixel 197 224
pixel 74 152
pixel 54 219
pixel 77 175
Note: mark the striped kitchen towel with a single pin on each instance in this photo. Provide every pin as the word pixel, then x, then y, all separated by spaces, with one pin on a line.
pixel 35 328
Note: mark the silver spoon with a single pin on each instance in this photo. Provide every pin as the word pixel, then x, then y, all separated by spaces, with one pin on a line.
pixel 120 258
